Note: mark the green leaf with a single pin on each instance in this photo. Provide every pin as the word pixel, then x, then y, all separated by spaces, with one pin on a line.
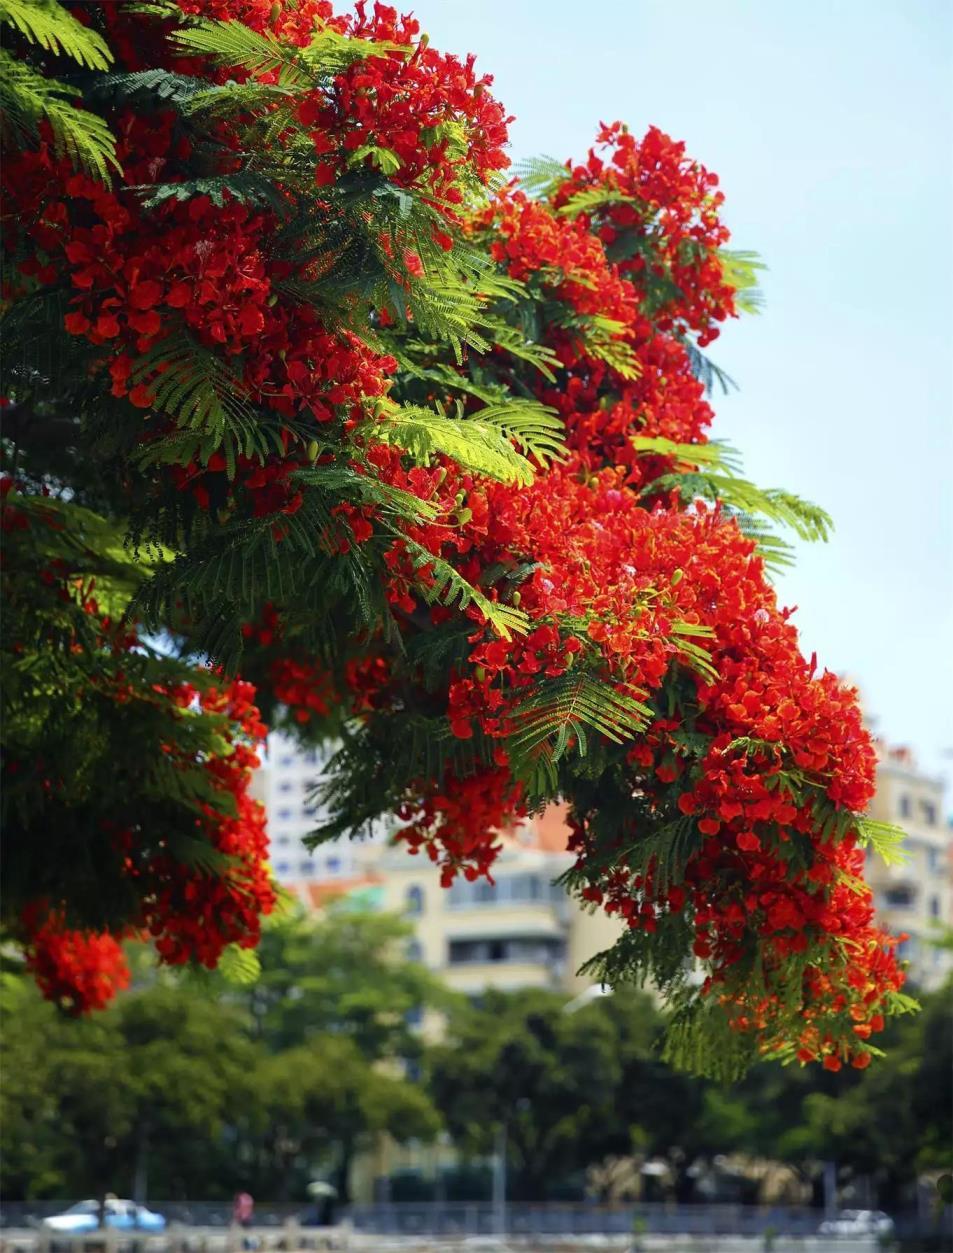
pixel 55 29
pixel 383 159
pixel 541 177
pixel 714 454
pixel 712 472
pixel 562 708
pixel 481 442
pixel 448 587
pixel 885 839
pixel 740 271
pixel 240 966
pixel 79 135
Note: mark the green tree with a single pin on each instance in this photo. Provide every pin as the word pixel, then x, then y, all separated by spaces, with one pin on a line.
pixel 323 1101
pixel 550 1078
pixel 65 1103
pixel 138 1098
pixel 179 1091
pixel 345 973
pixel 887 1122
pixel 188 1064
pixel 895 1121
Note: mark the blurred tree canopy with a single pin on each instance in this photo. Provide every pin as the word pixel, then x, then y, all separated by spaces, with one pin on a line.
pixel 194 1088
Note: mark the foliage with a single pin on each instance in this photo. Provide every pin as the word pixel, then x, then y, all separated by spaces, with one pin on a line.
pixel 426 458
pixel 199 1087
pixel 179 1092
pixel 344 974
pixel 521 1063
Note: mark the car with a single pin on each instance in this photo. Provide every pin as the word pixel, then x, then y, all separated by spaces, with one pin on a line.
pixel 858 1222
pixel 120 1215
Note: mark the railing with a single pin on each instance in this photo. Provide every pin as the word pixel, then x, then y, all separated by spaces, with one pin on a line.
pixel 177 1237
pixel 204 1227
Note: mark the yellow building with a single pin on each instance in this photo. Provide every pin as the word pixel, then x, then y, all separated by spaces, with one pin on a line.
pixel 525 931
pixel 915 898
pixel 521 931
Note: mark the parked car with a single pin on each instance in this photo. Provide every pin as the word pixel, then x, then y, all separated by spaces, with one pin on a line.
pixel 858 1222
pixel 121 1215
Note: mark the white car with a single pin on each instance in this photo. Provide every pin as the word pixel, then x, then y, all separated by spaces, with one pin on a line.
pixel 858 1222
pixel 120 1215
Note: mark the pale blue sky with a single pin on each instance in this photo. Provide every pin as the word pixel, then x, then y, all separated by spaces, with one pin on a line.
pixel 830 125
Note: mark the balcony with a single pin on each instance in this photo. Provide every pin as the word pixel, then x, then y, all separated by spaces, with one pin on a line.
pixel 520 960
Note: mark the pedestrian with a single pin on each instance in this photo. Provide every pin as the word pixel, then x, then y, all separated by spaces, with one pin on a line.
pixel 243 1215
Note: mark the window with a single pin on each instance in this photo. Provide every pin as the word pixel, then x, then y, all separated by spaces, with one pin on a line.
pixel 283 840
pixel 414 951
pixel 928 809
pixel 415 899
pixel 308 811
pixel 282 867
pixel 286 761
pixel 334 865
pixel 541 951
pixel 285 814
pixel 933 860
pixel 306 867
pixel 285 785
pixel 898 898
pixel 934 907
pixel 508 889
pixel 904 805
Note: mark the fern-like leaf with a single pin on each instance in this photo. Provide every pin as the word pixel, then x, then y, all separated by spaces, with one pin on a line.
pixel 712 471
pixel 563 708
pixel 240 966
pixel 482 442
pixel 740 271
pixel 56 30
pixel 197 388
pixel 541 176
pixel 884 839
pixel 27 99
pixel 446 586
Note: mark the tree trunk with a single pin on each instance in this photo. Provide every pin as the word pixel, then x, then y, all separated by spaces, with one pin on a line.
pixel 342 1172
pixel 140 1178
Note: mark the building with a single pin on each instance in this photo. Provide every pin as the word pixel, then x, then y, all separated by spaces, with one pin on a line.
pixel 521 931
pixel 524 930
pixel 914 898
pixel 285 785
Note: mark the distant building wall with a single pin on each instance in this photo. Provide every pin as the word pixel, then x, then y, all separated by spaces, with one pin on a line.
pixel 523 931
pixel 915 898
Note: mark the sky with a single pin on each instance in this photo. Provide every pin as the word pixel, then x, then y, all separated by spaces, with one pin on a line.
pixel 830 125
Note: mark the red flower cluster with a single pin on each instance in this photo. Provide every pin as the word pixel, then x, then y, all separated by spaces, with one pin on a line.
pixel 193 915
pixel 192 272
pixel 658 195
pixel 79 970
pixel 766 760
pixel 421 116
pixel 199 888
pixel 458 824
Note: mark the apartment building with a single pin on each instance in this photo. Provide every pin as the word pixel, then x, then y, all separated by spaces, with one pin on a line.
pixel 524 930
pixel 521 931
pixel 916 897
pixel 284 784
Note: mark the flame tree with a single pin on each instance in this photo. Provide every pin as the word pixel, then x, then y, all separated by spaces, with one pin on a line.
pixel 299 388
